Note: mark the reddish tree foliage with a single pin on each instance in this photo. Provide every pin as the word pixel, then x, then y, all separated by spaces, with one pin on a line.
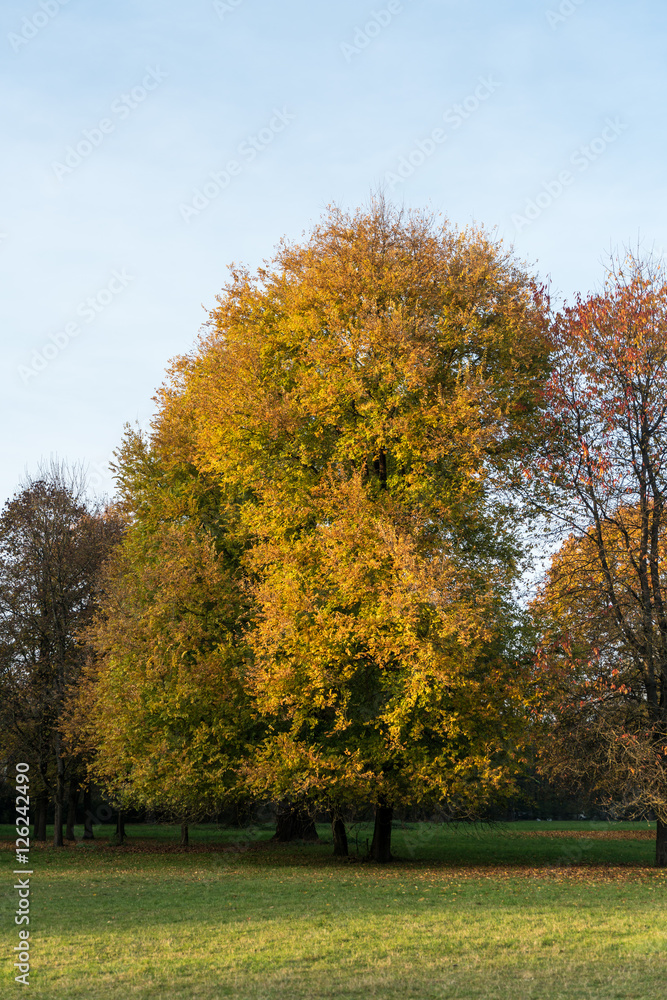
pixel 602 475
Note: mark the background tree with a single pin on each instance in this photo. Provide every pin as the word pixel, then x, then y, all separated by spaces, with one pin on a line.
pixel 598 736
pixel 53 542
pixel 601 476
pixel 161 712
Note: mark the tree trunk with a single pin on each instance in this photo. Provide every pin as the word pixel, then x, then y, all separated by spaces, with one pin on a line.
pixel 380 466
pixel 339 836
pixel 294 823
pixel 120 827
pixel 42 805
pixel 661 844
pixel 87 815
pixel 59 800
pixel 185 835
pixel 381 846
pixel 72 802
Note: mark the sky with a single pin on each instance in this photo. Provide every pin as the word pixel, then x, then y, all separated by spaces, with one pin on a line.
pixel 148 144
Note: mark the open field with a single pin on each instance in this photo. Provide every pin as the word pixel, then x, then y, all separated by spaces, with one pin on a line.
pixel 527 910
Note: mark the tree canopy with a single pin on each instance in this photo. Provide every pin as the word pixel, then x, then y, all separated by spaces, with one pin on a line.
pixel 343 414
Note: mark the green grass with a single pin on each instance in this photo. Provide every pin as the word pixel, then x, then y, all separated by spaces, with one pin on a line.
pixel 526 910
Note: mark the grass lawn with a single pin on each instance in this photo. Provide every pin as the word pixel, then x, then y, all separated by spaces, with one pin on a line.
pixel 526 910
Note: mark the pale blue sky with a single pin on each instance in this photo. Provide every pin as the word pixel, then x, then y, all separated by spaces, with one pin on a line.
pixel 170 93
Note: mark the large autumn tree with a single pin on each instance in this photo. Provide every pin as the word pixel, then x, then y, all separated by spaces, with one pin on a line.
pixel 351 400
pixel 602 478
